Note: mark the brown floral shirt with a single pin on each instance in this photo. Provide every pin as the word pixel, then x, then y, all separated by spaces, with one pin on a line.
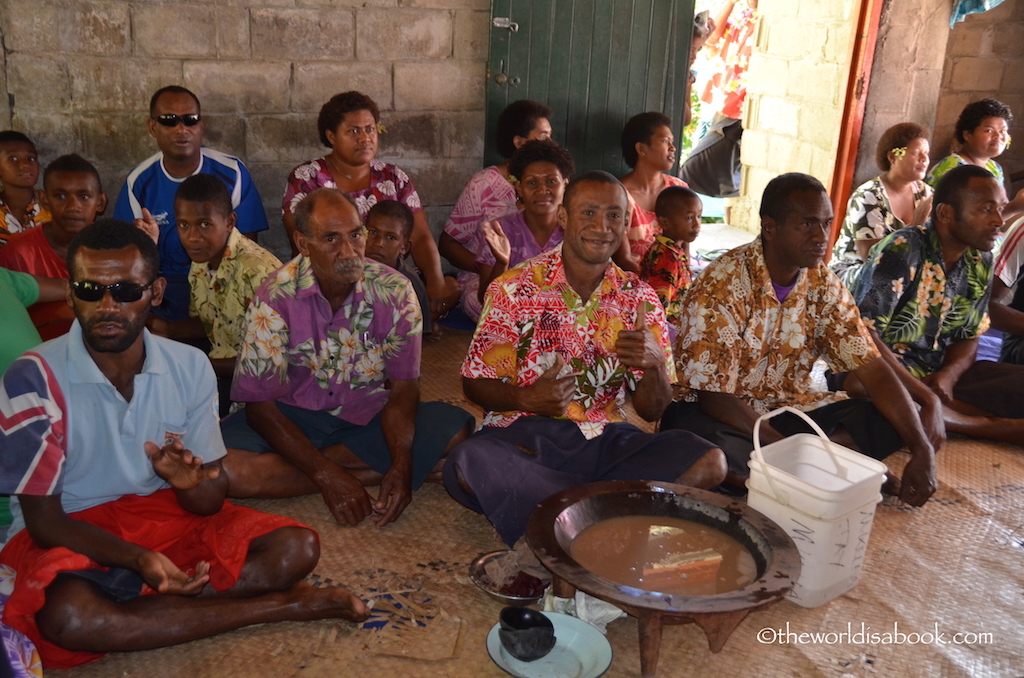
pixel 736 337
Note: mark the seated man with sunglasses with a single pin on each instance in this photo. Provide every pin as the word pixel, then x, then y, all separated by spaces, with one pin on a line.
pixel 177 125
pixel 122 538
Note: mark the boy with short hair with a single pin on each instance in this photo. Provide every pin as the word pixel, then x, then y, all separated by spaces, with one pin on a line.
pixel 388 239
pixel 20 202
pixel 74 197
pixel 666 266
pixel 227 268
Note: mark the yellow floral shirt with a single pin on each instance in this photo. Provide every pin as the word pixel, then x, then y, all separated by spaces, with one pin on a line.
pixel 220 300
pixel 736 337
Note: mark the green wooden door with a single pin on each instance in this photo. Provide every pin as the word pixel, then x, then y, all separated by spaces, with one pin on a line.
pixel 596 63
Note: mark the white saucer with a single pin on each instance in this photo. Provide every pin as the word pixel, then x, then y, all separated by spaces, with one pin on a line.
pixel 580 651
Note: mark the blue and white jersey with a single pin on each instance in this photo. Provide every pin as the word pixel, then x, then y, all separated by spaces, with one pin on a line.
pixel 149 185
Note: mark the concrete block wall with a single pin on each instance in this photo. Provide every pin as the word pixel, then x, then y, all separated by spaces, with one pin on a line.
pixel 984 59
pixel 79 75
pixel 795 90
pixel 906 75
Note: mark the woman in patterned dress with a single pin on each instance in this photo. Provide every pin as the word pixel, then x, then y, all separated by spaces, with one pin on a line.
pixel 490 194
pixel 349 124
pixel 648 146
pixel 895 199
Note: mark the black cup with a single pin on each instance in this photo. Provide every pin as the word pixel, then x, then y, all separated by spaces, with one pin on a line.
pixel 526 634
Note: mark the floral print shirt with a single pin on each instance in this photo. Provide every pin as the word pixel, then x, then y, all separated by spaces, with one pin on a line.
pixel 36 215
pixel 387 182
pixel 531 312
pixel 298 351
pixel 869 216
pixel 219 298
pixel 955 160
pixel 736 337
pixel 916 306
pixel 666 268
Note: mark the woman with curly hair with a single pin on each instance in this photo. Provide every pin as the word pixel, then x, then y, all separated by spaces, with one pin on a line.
pixel 544 169
pixel 982 133
pixel 349 125
pixel 490 194
pixel 895 199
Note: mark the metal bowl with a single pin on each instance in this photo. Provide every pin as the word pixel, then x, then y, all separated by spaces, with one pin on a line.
pixel 479 576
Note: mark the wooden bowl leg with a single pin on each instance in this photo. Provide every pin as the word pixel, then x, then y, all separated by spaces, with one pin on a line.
pixel 650 642
pixel 719 626
pixel 562 588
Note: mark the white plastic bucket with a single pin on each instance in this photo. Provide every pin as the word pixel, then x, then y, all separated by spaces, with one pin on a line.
pixel 824 496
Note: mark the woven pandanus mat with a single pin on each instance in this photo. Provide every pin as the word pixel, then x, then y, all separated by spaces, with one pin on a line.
pixel 954 566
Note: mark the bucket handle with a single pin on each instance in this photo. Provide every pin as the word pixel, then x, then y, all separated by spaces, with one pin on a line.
pixel 759 458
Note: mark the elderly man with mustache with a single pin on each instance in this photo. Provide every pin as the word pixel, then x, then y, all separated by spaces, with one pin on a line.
pixel 329 372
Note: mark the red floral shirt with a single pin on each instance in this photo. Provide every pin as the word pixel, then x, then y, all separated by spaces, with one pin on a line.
pixel 531 312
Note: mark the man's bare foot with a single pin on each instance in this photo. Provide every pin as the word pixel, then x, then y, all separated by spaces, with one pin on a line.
pixel 326 603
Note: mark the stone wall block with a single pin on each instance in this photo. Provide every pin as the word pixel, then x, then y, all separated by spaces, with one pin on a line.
pixel 269 179
pixel 976 74
pixel 462 135
pixel 412 135
pixel 94 28
pixel 447 4
pixel 240 86
pixel 175 31
pixel 778 8
pixel 818 123
pixel 818 82
pixel 472 34
pixel 114 139
pixel 226 132
pixel 1013 81
pixel 778 115
pixel 437 215
pixel 1008 42
pixel 438 180
pixel 969 40
pixel 232 32
pixel 32 27
pixel 790 39
pixel 403 34
pixel 284 138
pixel 316 82
pixel 118 84
pixel 754 150
pixel 346 4
pixel 38 83
pixel 768 75
pixel 54 134
pixel 450 86
pixel 306 34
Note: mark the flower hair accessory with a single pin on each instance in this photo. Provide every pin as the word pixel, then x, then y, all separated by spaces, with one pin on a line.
pixel 899 152
pixel 513 179
pixel 381 129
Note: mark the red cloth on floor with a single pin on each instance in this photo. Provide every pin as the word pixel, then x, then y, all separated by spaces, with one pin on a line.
pixel 156 523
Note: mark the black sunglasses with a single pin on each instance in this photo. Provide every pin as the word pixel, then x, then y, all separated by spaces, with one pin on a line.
pixel 122 292
pixel 172 120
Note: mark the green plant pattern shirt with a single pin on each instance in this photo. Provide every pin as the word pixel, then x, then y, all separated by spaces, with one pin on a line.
pixel 954 160
pixel 916 306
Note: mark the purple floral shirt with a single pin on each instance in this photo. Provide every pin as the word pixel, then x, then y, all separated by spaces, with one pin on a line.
pixel 524 246
pixel 387 182
pixel 296 350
